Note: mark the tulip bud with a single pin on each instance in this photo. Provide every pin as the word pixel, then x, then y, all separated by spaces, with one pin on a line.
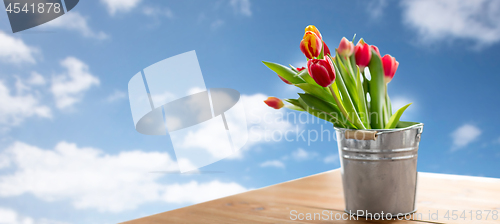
pixel 390 66
pixel 326 51
pixel 313 29
pixel 274 102
pixel 311 45
pixel 375 48
pixel 322 71
pixel 284 80
pixel 363 55
pixel 346 47
pixel 300 69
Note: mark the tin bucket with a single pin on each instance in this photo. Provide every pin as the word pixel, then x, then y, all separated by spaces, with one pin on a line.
pixel 379 169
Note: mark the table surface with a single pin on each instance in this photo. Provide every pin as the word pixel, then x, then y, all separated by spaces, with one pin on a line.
pixel 322 193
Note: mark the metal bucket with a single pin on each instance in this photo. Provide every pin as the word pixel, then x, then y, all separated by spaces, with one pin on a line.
pixel 379 169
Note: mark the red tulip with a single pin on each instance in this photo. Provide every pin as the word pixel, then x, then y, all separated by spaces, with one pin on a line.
pixel 300 69
pixel 346 47
pixel 322 71
pixel 390 66
pixel 375 48
pixel 311 45
pixel 274 102
pixel 313 29
pixel 326 51
pixel 363 54
pixel 284 80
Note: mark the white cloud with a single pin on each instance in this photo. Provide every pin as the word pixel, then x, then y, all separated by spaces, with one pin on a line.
pixel 241 7
pixel 334 158
pixel 69 88
pixel 115 6
pixel 92 179
pixel 15 108
pixel 76 22
pixel 440 20
pixel 36 79
pixel 262 122
pixel 9 216
pixel 375 8
pixel 273 163
pixel 156 12
pixel 464 135
pixel 301 154
pixel 116 95
pixel 14 50
pixel 216 24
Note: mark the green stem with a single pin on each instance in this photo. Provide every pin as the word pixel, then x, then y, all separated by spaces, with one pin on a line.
pixel 350 66
pixel 341 107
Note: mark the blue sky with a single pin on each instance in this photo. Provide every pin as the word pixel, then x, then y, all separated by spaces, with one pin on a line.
pixel 68 149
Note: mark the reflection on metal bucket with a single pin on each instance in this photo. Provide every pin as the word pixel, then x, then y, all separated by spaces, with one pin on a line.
pixel 380 175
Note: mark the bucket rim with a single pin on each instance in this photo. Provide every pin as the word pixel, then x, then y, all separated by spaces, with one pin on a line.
pixel 380 131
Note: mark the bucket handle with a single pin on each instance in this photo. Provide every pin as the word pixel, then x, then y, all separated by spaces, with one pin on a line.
pixel 372 135
pixel 361 135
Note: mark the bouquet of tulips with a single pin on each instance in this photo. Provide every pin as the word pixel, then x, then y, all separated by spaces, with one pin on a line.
pixel 337 87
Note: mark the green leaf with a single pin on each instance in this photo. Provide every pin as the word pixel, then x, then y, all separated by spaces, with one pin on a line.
pixel 304 75
pixel 294 102
pixel 330 111
pixel 377 92
pixel 405 124
pixel 293 107
pixel 388 102
pixel 317 91
pixel 349 81
pixel 319 104
pixel 347 101
pixel 394 120
pixel 284 72
pixel 363 110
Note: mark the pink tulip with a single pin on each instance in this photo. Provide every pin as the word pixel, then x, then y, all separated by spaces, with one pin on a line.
pixel 346 47
pixel 390 66
pixel 322 71
pixel 274 102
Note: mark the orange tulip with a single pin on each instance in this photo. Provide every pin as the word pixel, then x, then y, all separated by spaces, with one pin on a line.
pixel 313 29
pixel 311 45
pixel 274 102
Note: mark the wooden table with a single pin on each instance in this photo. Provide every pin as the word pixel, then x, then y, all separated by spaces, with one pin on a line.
pixel 322 193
